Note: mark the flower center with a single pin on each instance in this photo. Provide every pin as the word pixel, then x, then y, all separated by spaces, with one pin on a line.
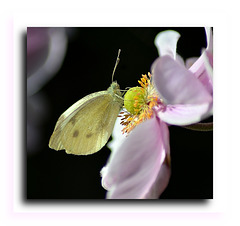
pixel 134 100
pixel 139 102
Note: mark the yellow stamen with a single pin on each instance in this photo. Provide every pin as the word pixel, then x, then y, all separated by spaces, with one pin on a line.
pixel 139 101
pixel 140 83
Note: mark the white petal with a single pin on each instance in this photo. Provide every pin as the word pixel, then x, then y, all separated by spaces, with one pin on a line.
pixel 166 43
pixel 117 136
pixel 209 39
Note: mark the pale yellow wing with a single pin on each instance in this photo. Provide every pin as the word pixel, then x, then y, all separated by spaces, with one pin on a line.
pixel 86 126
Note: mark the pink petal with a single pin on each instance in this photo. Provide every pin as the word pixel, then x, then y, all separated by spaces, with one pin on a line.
pixel 182 115
pixel 161 182
pixel 208 62
pixel 117 140
pixel 133 168
pixel 166 43
pixel 177 85
pixel 202 68
pixel 200 71
pixel 164 174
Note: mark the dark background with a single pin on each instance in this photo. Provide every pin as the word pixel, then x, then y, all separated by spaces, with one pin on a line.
pixel 87 68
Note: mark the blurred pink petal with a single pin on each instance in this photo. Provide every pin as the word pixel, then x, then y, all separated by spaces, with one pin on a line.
pixel 133 168
pixel 166 43
pixel 50 63
pixel 37 48
pixel 176 85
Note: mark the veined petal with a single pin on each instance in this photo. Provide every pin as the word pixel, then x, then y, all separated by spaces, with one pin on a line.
pixel 200 71
pixel 208 62
pixel 177 85
pixel 202 68
pixel 182 115
pixel 166 43
pixel 134 167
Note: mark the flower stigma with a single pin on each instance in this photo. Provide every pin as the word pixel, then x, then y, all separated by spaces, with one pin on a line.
pixel 139 103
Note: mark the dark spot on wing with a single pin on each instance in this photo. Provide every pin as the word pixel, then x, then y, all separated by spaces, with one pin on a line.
pixel 75 134
pixel 89 135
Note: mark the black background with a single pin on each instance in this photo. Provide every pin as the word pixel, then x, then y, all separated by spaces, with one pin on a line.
pixel 87 68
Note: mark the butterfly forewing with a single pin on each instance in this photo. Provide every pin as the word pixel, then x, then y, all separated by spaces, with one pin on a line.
pixel 87 125
pixel 57 136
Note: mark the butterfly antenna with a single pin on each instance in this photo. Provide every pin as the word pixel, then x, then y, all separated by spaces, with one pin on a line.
pixel 116 64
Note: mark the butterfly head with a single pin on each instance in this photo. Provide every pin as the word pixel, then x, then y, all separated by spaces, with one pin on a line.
pixel 114 90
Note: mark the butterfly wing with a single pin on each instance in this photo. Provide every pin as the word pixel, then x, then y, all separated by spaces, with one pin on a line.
pixel 86 126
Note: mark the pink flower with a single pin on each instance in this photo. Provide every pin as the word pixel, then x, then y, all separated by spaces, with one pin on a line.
pixel 139 166
pixel 201 67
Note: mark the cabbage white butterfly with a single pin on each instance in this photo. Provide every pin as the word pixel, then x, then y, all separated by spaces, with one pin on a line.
pixel 86 126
